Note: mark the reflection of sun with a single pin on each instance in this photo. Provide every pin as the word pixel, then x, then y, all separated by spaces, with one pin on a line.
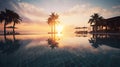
pixel 59 29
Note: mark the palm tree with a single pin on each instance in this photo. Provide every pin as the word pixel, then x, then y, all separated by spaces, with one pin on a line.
pixel 8 17
pixel 14 17
pixel 52 21
pixel 4 17
pixel 1 18
pixel 95 21
pixel 101 22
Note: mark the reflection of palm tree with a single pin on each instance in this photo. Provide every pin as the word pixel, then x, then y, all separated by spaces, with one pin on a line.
pixel 52 41
pixel 52 21
pixel 93 42
pixel 108 40
pixel 9 46
pixel 95 21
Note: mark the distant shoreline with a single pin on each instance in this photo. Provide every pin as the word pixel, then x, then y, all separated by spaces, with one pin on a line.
pixel 23 34
pixel 47 33
pixel 106 33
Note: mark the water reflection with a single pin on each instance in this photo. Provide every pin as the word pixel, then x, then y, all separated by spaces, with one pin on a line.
pixel 53 40
pixel 105 39
pixel 81 35
pixel 39 51
pixel 9 45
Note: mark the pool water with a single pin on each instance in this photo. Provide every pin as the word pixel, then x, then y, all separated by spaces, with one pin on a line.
pixel 60 50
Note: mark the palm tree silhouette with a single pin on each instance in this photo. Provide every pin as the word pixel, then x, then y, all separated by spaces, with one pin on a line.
pixel 14 17
pixel 95 21
pixel 4 17
pixel 9 16
pixel 52 21
pixel 1 17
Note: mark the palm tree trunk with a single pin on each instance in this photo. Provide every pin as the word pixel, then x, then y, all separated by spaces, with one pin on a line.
pixel 96 28
pixel 13 28
pixel 54 31
pixel 93 29
pixel 5 31
pixel 5 28
pixel 51 30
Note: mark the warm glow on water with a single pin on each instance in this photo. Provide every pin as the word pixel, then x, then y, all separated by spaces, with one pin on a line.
pixel 59 48
pixel 59 33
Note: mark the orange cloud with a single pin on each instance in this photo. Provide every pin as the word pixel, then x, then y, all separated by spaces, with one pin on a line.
pixel 35 18
pixel 31 12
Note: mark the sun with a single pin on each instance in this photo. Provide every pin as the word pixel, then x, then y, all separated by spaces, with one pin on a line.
pixel 59 29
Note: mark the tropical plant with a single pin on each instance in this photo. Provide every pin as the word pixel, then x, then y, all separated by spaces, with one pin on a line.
pixel 14 17
pixel 9 16
pixel 52 21
pixel 95 20
pixel 4 17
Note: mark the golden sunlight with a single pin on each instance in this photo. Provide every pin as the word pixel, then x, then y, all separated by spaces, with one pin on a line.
pixel 59 28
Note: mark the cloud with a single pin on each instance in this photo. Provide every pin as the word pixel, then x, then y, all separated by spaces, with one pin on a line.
pixel 33 18
pixel 116 7
pixel 30 13
pixel 87 10
pixel 79 14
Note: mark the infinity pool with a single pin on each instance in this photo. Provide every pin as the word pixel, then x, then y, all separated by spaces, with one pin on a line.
pixel 60 50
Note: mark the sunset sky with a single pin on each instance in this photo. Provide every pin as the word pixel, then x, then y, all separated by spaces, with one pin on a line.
pixel 71 13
